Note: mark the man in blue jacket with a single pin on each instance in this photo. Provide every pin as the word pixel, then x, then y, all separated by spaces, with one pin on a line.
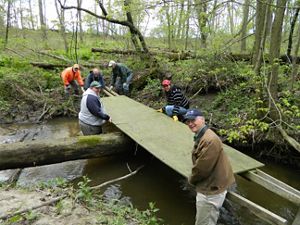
pixel 92 113
pixel 124 75
pixel 95 75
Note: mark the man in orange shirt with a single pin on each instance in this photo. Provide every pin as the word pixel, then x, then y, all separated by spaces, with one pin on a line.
pixel 71 77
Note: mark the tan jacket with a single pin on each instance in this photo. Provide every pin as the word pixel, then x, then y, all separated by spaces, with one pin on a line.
pixel 211 172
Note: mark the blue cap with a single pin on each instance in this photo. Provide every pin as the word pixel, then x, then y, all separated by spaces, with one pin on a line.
pixel 96 84
pixel 191 114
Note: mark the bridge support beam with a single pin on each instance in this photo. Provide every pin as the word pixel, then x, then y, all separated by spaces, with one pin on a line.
pixel 274 185
pixel 259 211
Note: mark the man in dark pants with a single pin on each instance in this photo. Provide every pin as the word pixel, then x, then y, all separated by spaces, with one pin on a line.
pixel 92 113
pixel 211 172
pixel 124 75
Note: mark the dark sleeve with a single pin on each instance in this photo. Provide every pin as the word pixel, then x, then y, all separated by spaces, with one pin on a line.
pixel 101 80
pixel 87 82
pixel 94 107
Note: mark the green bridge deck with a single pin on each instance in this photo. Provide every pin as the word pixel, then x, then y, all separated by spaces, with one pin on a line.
pixel 169 141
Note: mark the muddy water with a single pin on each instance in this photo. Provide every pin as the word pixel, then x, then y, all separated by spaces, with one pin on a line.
pixel 154 183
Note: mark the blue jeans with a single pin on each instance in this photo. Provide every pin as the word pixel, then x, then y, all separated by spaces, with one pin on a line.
pixel 169 110
pixel 123 88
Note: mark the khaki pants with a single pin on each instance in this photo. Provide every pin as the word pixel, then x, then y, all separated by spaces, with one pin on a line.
pixel 208 207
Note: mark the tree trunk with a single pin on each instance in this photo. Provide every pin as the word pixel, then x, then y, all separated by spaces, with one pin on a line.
pixel 244 25
pixel 42 20
pixel 295 67
pixel 180 20
pixel 127 4
pixel 79 3
pixel 61 18
pixel 7 22
pixel 293 23
pixel 43 152
pixel 187 29
pixel 230 15
pixel 201 7
pixel 274 57
pixel 260 34
pixel 31 15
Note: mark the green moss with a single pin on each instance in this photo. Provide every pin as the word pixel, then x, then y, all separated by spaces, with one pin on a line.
pixel 91 140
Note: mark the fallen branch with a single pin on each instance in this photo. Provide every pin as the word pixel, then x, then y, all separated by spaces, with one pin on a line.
pixel 4 217
pixel 17 53
pixel 117 179
pixel 295 144
pixel 196 93
pixel 45 110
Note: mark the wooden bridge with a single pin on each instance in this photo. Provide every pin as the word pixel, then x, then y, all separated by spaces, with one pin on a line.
pixel 171 142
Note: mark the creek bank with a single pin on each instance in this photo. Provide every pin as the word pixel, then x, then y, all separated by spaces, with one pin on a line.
pixel 66 205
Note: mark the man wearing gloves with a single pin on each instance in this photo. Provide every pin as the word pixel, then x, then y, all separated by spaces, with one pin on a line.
pixel 92 113
pixel 177 103
pixel 120 78
pixel 72 78
pixel 211 173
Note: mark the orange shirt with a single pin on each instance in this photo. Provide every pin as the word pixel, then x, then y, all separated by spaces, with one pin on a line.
pixel 68 75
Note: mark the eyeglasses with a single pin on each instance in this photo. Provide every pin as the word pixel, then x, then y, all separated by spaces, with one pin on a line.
pixel 165 86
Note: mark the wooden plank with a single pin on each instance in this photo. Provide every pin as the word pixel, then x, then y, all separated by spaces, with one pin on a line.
pixel 169 141
pixel 274 185
pixel 278 182
pixel 259 211
pixel 297 218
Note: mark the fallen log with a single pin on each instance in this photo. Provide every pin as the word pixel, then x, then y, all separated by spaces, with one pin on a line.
pixel 50 66
pixel 43 152
pixel 173 56
pixel 186 55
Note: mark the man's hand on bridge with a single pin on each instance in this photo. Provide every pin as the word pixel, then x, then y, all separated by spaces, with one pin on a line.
pixel 159 110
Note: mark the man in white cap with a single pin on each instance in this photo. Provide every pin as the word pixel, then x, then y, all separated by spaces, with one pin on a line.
pixel 92 113
pixel 124 75
pixel 211 173
pixel 71 77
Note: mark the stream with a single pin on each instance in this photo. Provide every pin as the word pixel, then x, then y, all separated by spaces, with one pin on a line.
pixel 155 183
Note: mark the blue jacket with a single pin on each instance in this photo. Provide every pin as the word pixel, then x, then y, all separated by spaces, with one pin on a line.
pixel 91 77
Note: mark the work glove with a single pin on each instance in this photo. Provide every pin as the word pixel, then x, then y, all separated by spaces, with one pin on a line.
pixel 111 87
pixel 159 110
pixel 175 118
pixel 82 89
pixel 68 87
